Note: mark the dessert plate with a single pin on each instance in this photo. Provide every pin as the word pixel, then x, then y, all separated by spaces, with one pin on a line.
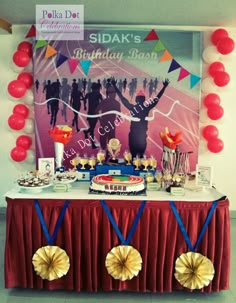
pixel 34 189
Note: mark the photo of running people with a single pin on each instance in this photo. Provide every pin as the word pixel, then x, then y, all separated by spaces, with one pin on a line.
pixel 127 92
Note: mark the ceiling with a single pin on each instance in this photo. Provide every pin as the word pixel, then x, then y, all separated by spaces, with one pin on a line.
pixel 203 13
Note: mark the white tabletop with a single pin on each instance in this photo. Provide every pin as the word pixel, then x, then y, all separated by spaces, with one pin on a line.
pixel 80 191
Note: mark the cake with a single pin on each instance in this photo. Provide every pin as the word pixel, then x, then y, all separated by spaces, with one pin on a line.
pixel 117 184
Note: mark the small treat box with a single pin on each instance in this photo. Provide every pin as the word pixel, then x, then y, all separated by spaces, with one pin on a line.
pixel 153 186
pixel 85 174
pixel 177 191
pixel 144 173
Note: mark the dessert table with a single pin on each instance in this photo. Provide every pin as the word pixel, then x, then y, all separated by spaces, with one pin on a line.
pixel 87 235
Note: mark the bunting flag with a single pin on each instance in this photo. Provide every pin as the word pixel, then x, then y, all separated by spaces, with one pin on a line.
pixel 158 47
pixel 166 56
pixel 72 64
pixel 85 64
pixel 173 66
pixel 31 32
pixel 40 43
pixel 60 59
pixel 194 80
pixel 50 51
pixel 183 74
pixel 152 35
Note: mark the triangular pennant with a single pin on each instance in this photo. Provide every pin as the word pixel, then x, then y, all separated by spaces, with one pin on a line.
pixel 183 73
pixel 194 80
pixel 85 64
pixel 72 64
pixel 166 56
pixel 173 66
pixel 40 43
pixel 152 35
pixel 31 32
pixel 60 60
pixel 158 47
pixel 50 51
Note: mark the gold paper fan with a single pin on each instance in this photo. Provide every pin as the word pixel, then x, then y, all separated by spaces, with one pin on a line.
pixel 123 262
pixel 51 262
pixel 193 270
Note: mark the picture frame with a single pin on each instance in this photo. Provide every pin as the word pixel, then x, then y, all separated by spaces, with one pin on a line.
pixel 204 175
pixel 46 166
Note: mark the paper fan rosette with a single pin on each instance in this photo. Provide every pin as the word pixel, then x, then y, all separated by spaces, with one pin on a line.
pixel 61 134
pixel 51 262
pixel 193 270
pixel 123 262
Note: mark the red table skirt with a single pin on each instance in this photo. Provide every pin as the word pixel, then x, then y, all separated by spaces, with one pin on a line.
pixel 87 236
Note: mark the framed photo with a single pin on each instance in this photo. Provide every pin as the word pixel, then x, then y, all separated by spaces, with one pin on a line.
pixel 46 166
pixel 204 175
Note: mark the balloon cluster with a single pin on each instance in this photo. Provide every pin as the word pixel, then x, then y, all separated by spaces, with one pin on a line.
pixel 19 152
pixel 214 110
pixel 21 88
pixel 18 119
pixel 217 77
pixel 211 133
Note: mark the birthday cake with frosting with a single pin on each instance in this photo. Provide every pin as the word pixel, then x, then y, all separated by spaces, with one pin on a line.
pixel 117 184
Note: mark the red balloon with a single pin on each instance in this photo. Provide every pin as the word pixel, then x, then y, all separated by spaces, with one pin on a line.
pixel 18 154
pixel 209 132
pixel 17 88
pixel 218 34
pixel 21 109
pixel 16 121
pixel 211 99
pixel 221 78
pixel 21 59
pixel 215 112
pixel 225 46
pixel 27 78
pixel 26 47
pixel 24 141
pixel 215 67
pixel 215 145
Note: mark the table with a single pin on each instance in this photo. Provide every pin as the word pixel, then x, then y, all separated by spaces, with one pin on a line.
pixel 87 235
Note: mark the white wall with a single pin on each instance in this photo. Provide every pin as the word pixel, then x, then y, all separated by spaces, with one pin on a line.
pixel 223 163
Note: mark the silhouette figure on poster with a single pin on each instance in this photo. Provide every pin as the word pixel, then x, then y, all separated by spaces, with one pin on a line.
pixel 150 87
pixel 155 84
pixel 132 88
pixel 65 95
pixel 75 102
pixel 36 83
pixel 54 103
pixel 107 129
pixel 84 82
pixel 108 84
pixel 58 87
pixel 100 84
pixel 124 84
pixel 144 84
pixel 94 99
pixel 48 94
pixel 138 129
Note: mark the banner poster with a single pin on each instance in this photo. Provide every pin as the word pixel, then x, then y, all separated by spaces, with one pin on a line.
pixel 74 86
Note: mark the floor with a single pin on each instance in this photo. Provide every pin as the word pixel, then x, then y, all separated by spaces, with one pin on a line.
pixel 35 296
